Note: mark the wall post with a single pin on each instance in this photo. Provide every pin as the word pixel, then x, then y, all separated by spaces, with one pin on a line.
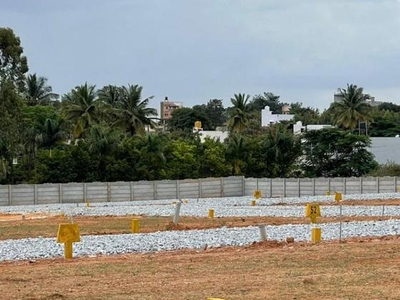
pixel 270 187
pixel 377 185
pixel 284 187
pixel 131 189
pixel 200 188
pixel 299 188
pixel 35 194
pixel 329 184
pixel 244 186
pixel 313 186
pixel 155 190
pixel 108 191
pixel 84 192
pixel 60 191
pixel 177 189
pixel 9 194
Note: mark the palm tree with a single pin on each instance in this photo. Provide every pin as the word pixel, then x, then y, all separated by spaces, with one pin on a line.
pixel 152 162
pixel 110 95
pixel 133 113
pixel 37 91
pixel 80 107
pixel 52 132
pixel 352 107
pixel 102 140
pixel 236 153
pixel 240 113
pixel 282 149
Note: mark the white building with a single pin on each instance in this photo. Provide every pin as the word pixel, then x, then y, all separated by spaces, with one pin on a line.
pixel 299 128
pixel 268 118
pixel 221 135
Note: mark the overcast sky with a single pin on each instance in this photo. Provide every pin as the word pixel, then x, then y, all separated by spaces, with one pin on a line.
pixel 196 50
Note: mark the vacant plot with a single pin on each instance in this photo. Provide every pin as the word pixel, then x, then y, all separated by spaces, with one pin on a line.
pixel 358 268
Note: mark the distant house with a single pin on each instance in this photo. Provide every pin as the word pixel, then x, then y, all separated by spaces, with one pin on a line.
pixel 268 118
pixel 221 135
pixel 337 97
pixel 299 128
pixel 167 107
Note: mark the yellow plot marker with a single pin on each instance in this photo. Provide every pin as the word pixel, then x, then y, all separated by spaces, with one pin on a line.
pixel 135 226
pixel 313 212
pixel 253 202
pixel 257 194
pixel 328 192
pixel 68 234
pixel 211 213
pixel 316 235
pixel 338 197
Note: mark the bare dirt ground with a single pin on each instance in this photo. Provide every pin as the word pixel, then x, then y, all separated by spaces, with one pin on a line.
pixel 366 268
pixel 356 269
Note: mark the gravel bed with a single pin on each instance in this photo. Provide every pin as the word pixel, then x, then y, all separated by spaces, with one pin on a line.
pixel 93 245
pixel 223 207
pixel 36 248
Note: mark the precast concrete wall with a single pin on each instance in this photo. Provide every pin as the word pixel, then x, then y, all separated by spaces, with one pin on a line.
pixel 29 194
pixel 298 187
pixel 235 186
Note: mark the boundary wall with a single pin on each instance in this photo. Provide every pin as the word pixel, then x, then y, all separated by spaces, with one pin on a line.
pixel 235 186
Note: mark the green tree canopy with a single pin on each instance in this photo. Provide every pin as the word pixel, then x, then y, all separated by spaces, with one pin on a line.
pixel 333 152
pixel 13 65
pixel 307 115
pixel 267 99
pixel 11 129
pixel 215 111
pixel 183 119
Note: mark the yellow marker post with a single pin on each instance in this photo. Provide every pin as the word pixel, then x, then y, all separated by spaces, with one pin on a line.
pixel 253 202
pixel 135 226
pixel 338 197
pixel 68 234
pixel 316 235
pixel 257 194
pixel 328 193
pixel 87 204
pixel 211 213
pixel 313 211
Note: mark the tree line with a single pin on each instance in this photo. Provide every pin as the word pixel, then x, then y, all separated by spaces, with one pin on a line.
pixel 110 133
